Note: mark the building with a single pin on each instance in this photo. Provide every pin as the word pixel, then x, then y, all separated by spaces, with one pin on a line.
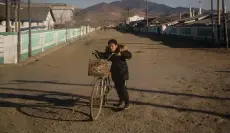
pixel 134 18
pixel 63 13
pixel 41 18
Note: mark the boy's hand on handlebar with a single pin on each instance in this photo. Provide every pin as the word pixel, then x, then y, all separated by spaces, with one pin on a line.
pixel 95 52
pixel 118 54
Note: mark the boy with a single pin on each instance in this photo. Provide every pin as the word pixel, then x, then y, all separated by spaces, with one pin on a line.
pixel 119 69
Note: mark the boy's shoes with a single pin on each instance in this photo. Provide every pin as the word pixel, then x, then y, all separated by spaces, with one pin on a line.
pixel 119 104
pixel 127 106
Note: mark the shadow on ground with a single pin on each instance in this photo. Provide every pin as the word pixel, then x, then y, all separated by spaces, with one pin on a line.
pixel 55 100
pixel 223 71
pixel 46 105
pixel 43 82
pixel 179 94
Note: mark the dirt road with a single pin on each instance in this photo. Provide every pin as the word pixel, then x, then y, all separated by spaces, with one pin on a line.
pixel 172 90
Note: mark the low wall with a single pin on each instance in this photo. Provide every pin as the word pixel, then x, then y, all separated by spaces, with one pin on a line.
pixel 196 33
pixel 1 49
pixel 40 41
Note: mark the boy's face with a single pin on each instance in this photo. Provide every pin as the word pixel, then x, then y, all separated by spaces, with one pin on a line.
pixel 113 47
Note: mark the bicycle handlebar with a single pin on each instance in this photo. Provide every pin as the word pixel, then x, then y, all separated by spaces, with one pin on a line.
pixel 96 54
pixel 98 57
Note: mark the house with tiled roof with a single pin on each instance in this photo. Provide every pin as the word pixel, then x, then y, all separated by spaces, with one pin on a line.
pixel 63 13
pixel 41 18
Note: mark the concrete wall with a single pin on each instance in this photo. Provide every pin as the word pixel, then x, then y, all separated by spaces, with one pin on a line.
pixel 10 49
pixel 2 28
pixel 1 49
pixel 41 41
pixel 196 33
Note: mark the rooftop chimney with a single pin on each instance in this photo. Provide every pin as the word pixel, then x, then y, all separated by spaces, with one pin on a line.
pixel 190 10
pixel 200 9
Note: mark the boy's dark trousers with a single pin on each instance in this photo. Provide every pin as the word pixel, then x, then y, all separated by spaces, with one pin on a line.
pixel 120 85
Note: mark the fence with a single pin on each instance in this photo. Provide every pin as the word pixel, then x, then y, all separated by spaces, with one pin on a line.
pixel 40 41
pixel 196 33
pixel 1 49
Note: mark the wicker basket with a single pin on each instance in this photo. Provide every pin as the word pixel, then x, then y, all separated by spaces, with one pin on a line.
pixel 99 68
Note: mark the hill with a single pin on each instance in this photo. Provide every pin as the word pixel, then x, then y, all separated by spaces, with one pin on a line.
pixel 118 10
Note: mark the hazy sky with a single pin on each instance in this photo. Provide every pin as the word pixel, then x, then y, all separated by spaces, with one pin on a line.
pixel 172 3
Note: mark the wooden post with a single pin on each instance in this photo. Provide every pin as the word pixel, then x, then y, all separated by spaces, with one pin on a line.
pixel 16 15
pixel 147 16
pixel 213 32
pixel 8 29
pixel 219 23
pixel 225 24
pixel 19 34
pixel 29 47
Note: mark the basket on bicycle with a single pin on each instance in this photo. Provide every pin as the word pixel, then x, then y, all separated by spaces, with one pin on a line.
pixel 99 68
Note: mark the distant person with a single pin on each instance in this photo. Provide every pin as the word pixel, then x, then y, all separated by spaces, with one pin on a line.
pixel 119 69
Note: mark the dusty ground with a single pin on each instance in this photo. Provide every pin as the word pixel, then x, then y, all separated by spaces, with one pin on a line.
pixel 172 90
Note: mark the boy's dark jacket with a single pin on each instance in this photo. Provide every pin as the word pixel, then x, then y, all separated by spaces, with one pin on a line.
pixel 119 68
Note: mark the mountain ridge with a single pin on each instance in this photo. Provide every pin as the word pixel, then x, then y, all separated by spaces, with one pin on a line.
pixel 118 10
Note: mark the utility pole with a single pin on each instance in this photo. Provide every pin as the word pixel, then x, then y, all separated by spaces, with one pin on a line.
pixel 213 32
pixel 29 13
pixel 128 15
pixel 147 18
pixel 16 15
pixel 8 29
pixel 200 9
pixel 218 27
pixel 19 33
pixel 128 12
pixel 225 24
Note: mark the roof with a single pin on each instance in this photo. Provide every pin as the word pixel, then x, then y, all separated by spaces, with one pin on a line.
pixel 44 4
pixel 55 7
pixel 206 22
pixel 37 13
pixel 202 21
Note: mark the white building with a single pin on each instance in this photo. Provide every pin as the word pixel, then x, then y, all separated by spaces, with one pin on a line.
pixel 41 18
pixel 62 13
pixel 134 18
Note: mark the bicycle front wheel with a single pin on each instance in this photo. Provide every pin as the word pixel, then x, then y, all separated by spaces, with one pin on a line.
pixel 97 99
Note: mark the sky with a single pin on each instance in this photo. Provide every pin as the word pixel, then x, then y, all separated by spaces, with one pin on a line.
pixel 172 3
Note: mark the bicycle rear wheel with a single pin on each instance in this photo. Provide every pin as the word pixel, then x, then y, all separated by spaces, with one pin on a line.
pixel 97 99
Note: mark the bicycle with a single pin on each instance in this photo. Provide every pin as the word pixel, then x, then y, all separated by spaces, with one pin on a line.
pixel 101 88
